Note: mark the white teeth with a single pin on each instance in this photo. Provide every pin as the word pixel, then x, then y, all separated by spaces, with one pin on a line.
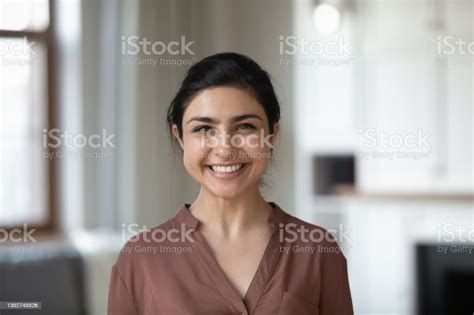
pixel 226 169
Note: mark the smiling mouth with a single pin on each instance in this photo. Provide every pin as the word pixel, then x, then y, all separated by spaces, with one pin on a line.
pixel 227 169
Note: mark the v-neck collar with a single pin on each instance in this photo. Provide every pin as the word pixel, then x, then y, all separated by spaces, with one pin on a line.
pixel 185 216
pixel 264 270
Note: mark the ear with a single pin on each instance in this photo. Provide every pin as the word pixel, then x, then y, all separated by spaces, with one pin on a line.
pixel 175 131
pixel 276 130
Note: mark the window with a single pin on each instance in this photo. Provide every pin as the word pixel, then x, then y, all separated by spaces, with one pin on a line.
pixel 26 110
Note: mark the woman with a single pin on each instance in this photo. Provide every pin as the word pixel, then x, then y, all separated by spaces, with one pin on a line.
pixel 230 251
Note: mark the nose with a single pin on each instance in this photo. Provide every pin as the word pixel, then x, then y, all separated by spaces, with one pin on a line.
pixel 224 149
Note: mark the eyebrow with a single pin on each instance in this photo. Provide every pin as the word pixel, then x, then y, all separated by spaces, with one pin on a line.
pixel 234 119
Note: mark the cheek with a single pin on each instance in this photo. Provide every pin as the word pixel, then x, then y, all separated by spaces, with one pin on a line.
pixel 193 153
pixel 193 144
pixel 257 142
pixel 261 161
pixel 259 154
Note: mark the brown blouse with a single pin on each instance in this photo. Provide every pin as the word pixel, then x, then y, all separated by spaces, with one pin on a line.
pixel 179 275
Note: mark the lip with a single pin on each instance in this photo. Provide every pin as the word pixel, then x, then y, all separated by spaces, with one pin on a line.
pixel 227 176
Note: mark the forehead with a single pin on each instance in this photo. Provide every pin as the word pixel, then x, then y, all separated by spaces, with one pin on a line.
pixel 223 101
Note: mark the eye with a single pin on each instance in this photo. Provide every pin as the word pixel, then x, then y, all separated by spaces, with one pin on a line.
pixel 246 126
pixel 202 130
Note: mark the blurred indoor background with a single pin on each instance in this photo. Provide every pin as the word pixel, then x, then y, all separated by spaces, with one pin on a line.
pixel 376 141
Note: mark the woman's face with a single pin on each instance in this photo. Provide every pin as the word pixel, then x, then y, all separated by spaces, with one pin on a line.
pixel 226 140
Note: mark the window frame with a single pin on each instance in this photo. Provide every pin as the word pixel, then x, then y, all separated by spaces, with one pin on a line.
pixel 47 38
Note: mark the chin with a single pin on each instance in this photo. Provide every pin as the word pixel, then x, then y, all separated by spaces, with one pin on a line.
pixel 226 193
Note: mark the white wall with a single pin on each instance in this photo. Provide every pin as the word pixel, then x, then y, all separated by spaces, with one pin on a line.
pixel 394 84
pixel 214 26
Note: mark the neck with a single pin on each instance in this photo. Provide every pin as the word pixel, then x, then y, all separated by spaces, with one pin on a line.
pixel 229 217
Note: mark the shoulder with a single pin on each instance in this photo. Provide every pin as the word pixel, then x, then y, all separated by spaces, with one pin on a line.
pixel 144 244
pixel 297 232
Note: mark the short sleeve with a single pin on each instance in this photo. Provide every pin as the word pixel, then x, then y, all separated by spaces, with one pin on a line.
pixel 343 301
pixel 335 296
pixel 120 301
